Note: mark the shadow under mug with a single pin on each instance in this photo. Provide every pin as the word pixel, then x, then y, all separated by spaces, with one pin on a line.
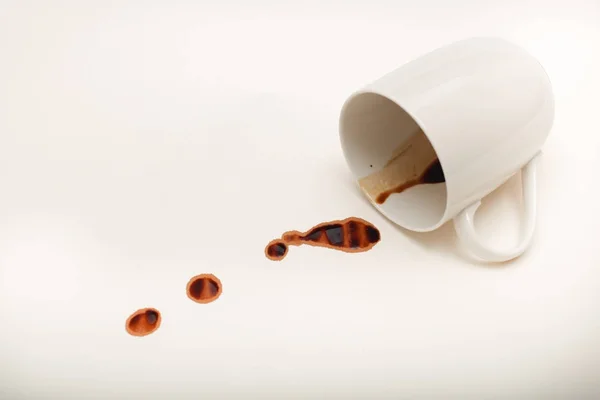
pixel 486 107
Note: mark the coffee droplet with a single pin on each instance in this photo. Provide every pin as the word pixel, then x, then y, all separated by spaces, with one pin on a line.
pixel 352 235
pixel 143 322
pixel 204 288
pixel 276 250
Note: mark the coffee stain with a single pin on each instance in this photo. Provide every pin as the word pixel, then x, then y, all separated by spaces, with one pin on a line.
pixel 433 174
pixel 401 153
pixel 143 322
pixel 204 288
pixel 351 235
pixel 413 162
pixel 276 249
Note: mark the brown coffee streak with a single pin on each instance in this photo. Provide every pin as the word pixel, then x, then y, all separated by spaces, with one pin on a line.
pixel 351 235
pixel 356 238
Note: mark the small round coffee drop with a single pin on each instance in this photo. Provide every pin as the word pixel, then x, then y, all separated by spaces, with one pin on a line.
pixel 276 250
pixel 143 322
pixel 204 288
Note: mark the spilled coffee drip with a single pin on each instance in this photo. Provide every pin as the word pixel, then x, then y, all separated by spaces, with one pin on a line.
pixel 413 163
pixel 351 235
pixel 433 174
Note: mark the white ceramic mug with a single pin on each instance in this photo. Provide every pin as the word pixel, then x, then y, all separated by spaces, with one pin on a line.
pixel 485 105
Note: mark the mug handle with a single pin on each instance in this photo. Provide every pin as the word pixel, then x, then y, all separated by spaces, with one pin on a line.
pixel 465 228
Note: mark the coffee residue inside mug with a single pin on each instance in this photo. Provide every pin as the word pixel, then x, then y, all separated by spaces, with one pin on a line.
pixel 204 288
pixel 433 174
pixel 143 322
pixel 413 162
pixel 352 235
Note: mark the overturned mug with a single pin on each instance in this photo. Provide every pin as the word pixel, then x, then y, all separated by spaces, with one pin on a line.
pixel 429 140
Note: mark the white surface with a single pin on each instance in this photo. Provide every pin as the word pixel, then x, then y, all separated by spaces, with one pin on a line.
pixel 485 105
pixel 143 143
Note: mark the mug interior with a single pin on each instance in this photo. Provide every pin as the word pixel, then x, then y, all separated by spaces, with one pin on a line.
pixel 372 128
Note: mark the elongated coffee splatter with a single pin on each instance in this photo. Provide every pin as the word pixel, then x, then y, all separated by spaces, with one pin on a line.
pixel 352 235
